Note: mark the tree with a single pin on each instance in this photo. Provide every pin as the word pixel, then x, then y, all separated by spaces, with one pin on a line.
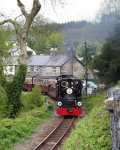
pixel 14 88
pixel 54 40
pixel 4 110
pixel 23 30
pixel 108 62
pixel 5 45
pixel 91 52
pixel 111 7
pixel 40 33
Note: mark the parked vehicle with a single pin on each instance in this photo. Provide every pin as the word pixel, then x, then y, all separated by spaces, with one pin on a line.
pixel 91 88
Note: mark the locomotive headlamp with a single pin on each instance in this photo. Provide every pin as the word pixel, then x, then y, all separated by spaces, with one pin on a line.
pixel 79 104
pixel 69 91
pixel 59 103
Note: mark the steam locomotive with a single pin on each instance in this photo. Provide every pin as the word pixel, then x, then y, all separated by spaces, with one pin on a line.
pixel 69 96
pixel 66 90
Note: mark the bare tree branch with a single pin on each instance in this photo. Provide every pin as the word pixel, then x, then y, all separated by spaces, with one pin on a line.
pixel 2 15
pixel 8 21
pixel 22 31
pixel 18 17
pixel 35 9
pixel 22 8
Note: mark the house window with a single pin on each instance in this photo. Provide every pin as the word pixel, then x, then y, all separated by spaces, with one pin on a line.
pixel 54 69
pixel 28 69
pixel 41 69
pixel 32 68
pixel 36 68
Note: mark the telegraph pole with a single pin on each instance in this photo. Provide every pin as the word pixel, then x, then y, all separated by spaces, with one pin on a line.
pixel 86 67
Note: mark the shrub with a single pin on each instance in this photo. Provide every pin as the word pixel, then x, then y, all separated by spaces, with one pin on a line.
pixel 3 103
pixel 26 101
pixel 36 96
pixel 93 131
pixel 14 90
pixel 2 77
pixel 32 99
pixel 118 83
pixel 17 130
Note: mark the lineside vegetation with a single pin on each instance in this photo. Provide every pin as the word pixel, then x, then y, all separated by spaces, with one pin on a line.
pixel 93 131
pixel 33 113
pixel 14 131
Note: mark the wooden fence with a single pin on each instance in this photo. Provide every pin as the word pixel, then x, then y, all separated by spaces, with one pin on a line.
pixel 114 109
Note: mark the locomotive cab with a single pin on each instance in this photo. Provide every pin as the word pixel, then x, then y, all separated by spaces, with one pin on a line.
pixel 69 96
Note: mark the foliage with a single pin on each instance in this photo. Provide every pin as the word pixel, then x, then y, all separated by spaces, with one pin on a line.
pixel 36 96
pixel 108 62
pixel 32 99
pixel 14 90
pixel 118 83
pixel 55 40
pixel 4 110
pixel 93 131
pixel 91 52
pixel 5 45
pixel 2 77
pixel 14 131
pixel 111 7
pixel 40 37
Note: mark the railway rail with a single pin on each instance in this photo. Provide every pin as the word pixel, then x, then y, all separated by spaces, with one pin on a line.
pixel 52 141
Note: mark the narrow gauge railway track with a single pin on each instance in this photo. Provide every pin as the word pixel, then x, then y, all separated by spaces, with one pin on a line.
pixel 52 141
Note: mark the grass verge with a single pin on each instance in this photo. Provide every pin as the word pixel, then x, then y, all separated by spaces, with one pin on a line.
pixel 13 131
pixel 93 131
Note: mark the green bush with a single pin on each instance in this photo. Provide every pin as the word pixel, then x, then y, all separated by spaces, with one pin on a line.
pixel 36 97
pixel 2 77
pixel 32 99
pixel 3 103
pixel 14 90
pixel 26 101
pixel 16 130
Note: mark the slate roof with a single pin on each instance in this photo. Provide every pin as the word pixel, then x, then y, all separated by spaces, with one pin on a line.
pixel 48 60
pixel 38 60
pixel 42 60
pixel 58 60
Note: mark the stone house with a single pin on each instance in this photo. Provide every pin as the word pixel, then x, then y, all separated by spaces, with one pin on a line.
pixel 44 66
pixel 48 66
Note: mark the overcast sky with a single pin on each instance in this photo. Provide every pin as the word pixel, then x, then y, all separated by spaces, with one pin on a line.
pixel 72 10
